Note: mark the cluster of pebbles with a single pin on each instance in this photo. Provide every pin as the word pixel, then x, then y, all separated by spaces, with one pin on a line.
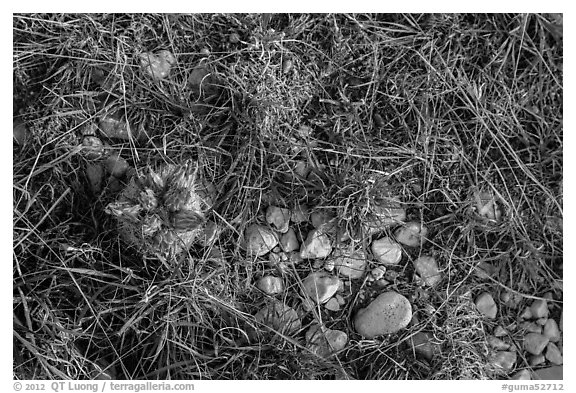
pixel 534 336
pixel 292 236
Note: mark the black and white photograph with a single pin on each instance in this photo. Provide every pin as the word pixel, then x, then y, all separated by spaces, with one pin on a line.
pixel 286 196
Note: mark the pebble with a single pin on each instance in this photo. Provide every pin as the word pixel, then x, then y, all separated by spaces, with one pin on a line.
pixel 541 321
pixel 382 283
pixel 289 241
pixel 421 343
pixel 386 251
pixel 535 343
pixel 486 205
pixel 484 270
pixel 322 218
pixel 294 257
pixel 323 342
pixel 383 214
pixel 316 245
pixel 553 354
pixel 320 286
pixel 95 175
pixel 280 317
pixel 498 344
pixel 530 327
pixel 350 265
pixel 504 360
pixel 499 331
pixel 332 305
pixel 378 272
pixel 427 269
pixel 552 331
pixel 411 234
pixel 539 309
pixel 116 165
pixel 536 360
pixel 157 65
pixel 270 285
pixel 486 305
pixel 522 375
pixel 549 374
pixel 259 240
pixel 92 147
pixel 341 301
pixel 388 313
pixel 510 299
pixel 20 133
pixel 115 126
pixel 299 214
pixel 278 218
pixel 526 314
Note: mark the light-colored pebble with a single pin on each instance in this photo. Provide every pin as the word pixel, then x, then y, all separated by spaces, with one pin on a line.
pixel 522 375
pixel 539 309
pixel 553 354
pixel 270 285
pixel 324 342
pixel 116 165
pixel 92 147
pixel 278 218
pixel 484 270
pixel 157 65
pixel 388 313
pixel 526 313
pixel 316 245
pixel 378 272
pixel 350 264
pixel 411 234
pixel 498 344
pixel 536 360
pixel 504 360
pixel 549 374
pixel 259 240
pixel 115 126
pixel 535 343
pixel 499 331
pixel 427 269
pixel 551 330
pixel 386 251
pixel 289 241
pixel 530 327
pixel 541 321
pixel 320 286
pixel 383 213
pixel 332 305
pixel 341 301
pixel 486 305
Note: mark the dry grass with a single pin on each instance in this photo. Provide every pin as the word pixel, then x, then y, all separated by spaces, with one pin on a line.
pixel 440 106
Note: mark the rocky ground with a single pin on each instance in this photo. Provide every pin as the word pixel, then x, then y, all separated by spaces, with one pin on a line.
pixel 288 196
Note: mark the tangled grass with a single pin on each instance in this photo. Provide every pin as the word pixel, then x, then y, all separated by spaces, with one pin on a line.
pixel 438 105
